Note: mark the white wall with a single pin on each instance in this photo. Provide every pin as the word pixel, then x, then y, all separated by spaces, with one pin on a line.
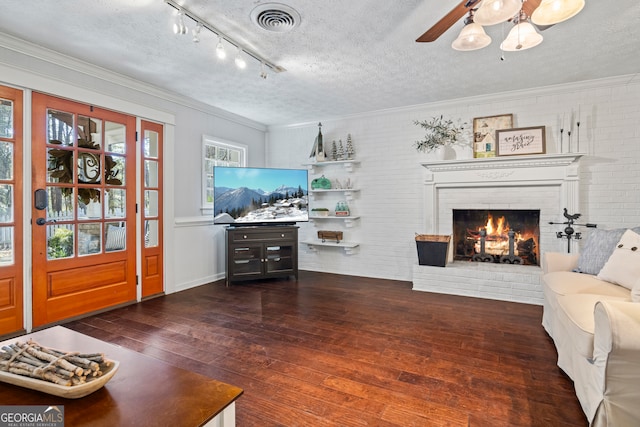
pixel 391 180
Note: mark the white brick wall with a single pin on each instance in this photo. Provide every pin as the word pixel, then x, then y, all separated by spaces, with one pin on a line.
pixel 391 179
pixel 518 283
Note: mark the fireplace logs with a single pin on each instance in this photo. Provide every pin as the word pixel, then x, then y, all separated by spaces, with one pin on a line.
pixel 504 236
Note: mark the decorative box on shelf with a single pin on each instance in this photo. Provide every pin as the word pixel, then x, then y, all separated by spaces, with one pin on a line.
pixel 325 235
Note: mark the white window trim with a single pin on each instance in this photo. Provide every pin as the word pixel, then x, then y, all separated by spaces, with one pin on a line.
pixel 207 208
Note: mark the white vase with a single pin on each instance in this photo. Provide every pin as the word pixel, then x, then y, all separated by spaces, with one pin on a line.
pixel 440 152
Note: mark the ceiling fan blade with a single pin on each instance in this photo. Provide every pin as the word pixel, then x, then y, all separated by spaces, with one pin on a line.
pixel 446 22
pixel 530 5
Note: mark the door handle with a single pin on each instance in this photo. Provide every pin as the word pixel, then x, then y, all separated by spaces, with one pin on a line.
pixel 40 200
pixel 42 221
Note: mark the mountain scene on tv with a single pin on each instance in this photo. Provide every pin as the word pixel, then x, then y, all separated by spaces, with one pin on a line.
pixel 240 202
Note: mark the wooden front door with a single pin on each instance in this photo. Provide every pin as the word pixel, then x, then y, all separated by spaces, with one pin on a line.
pixel 11 280
pixel 151 183
pixel 84 207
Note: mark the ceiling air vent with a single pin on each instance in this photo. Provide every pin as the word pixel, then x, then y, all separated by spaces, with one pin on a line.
pixel 275 17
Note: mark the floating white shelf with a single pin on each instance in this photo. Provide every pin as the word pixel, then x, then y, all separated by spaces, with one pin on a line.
pixel 348 164
pixel 348 192
pixel 348 220
pixel 349 247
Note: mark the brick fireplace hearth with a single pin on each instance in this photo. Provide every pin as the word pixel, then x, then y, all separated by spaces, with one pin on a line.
pixel 545 183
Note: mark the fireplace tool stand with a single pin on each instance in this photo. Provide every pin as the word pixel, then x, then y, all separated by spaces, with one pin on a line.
pixel 569 232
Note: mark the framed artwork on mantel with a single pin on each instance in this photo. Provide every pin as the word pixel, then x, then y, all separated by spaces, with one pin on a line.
pixel 522 141
pixel 484 133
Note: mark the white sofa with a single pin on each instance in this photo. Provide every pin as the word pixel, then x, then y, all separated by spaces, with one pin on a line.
pixel 595 325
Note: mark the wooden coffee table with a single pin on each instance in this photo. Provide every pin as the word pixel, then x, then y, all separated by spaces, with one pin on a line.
pixel 143 392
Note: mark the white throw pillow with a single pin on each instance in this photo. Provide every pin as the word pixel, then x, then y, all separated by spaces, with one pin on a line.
pixel 635 292
pixel 623 266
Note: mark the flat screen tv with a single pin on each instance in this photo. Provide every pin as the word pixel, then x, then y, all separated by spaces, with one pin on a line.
pixel 256 196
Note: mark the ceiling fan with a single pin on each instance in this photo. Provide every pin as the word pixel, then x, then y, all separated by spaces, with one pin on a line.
pixel 461 10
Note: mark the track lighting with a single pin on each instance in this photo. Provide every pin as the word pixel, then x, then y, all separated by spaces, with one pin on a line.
pixel 196 33
pixel 240 62
pixel 179 27
pixel 220 52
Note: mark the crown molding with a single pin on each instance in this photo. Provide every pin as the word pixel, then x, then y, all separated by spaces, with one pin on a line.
pixel 558 89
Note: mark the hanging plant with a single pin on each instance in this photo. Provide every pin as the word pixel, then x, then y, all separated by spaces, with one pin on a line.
pixel 439 133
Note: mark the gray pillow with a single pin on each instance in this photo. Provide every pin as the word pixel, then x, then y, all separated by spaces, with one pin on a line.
pixel 598 247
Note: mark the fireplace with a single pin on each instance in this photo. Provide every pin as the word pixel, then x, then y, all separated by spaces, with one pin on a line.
pixel 547 183
pixel 509 236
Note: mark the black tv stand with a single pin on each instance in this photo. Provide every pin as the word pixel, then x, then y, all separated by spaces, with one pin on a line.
pixel 262 251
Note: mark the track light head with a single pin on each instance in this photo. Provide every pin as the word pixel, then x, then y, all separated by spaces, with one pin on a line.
pixel 179 27
pixel 196 33
pixel 240 62
pixel 221 53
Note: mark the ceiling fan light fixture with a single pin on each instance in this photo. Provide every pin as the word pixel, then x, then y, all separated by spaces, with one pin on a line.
pixel 522 36
pixel 493 12
pixel 472 37
pixel 554 11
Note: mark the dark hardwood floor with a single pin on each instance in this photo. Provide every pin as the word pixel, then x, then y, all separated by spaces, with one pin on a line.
pixel 334 350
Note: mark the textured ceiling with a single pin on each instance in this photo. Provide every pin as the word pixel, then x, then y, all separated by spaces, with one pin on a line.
pixel 345 57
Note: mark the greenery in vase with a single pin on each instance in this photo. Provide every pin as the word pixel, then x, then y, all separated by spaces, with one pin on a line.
pixel 439 133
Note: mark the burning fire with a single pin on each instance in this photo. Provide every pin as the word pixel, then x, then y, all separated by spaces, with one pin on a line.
pixel 496 230
pixel 497 238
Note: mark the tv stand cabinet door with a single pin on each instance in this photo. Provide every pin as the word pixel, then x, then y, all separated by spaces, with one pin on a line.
pixel 281 260
pixel 246 261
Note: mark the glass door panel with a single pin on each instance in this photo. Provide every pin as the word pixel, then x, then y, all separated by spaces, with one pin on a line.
pixel 150 203
pixel 6 161
pixel 7 248
pixel 115 137
pixel 115 203
pixel 60 127
pixel 150 173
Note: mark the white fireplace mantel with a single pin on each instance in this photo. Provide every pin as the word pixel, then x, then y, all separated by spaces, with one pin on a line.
pixel 549 182
pixel 517 171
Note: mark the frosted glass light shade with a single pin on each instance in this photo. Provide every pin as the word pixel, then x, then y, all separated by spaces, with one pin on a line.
pixel 471 37
pixel 493 12
pixel 553 11
pixel 521 37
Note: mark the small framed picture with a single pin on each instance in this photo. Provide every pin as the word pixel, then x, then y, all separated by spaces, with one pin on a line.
pixel 484 133
pixel 521 141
